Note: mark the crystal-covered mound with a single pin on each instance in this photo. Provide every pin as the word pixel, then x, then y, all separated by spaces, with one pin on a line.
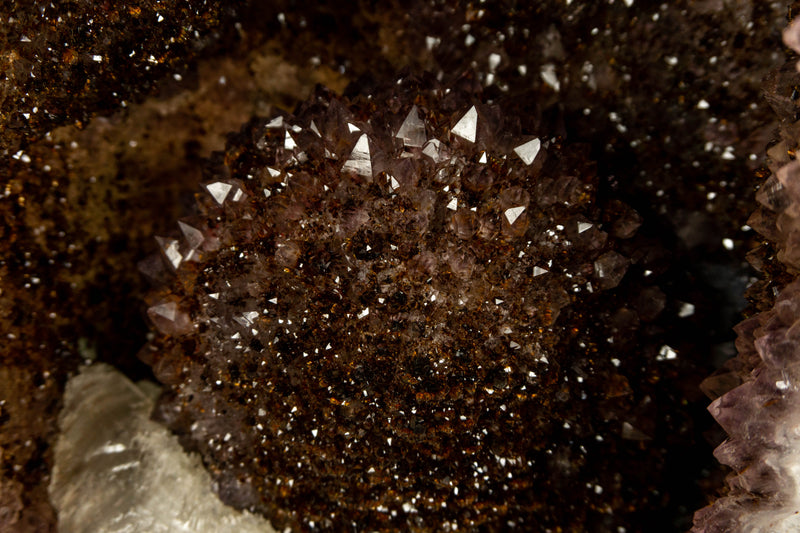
pixel 401 312
pixel 118 471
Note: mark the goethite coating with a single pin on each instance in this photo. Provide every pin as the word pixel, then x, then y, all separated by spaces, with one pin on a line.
pixel 363 331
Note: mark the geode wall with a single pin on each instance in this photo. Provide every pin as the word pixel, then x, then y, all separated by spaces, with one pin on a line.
pixel 673 120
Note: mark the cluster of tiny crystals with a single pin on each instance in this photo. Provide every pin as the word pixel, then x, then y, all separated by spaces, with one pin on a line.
pixel 362 329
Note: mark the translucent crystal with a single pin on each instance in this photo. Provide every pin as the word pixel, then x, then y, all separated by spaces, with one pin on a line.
pixel 467 127
pixel 359 162
pixel 117 471
pixel 513 213
pixel 194 237
pixel 412 131
pixel 169 247
pixel 610 268
pixel 528 151
pixel 219 191
pixel 169 318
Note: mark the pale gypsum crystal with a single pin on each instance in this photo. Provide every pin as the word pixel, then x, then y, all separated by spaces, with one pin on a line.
pixel 117 471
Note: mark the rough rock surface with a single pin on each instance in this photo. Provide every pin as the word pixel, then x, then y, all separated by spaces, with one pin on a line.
pixel 672 117
pixel 63 61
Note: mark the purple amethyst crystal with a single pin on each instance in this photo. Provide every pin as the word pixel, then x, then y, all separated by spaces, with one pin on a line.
pixel 758 394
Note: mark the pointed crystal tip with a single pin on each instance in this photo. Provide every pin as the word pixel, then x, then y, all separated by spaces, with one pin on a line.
pixel 359 161
pixel 412 131
pixel 528 151
pixel 467 127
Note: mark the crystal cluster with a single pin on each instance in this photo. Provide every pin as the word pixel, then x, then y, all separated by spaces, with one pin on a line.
pixel 758 393
pixel 673 119
pixel 399 312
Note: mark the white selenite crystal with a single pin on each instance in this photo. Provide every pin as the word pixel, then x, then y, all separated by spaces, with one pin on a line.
pixel 117 471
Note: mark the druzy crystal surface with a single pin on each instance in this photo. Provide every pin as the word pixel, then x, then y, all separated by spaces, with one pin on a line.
pixel 366 324
pixel 666 94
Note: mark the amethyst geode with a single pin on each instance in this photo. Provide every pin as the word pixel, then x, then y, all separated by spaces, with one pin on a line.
pixel 402 312
pixel 758 392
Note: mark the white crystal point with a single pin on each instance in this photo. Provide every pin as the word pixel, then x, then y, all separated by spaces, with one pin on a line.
pixel 467 127
pixel 219 190
pixel 170 249
pixel 513 213
pixel 548 74
pixel 359 161
pixel 168 310
pixel 116 470
pixel 194 237
pixel 528 151
pixel 288 142
pixel 538 271
pixel 433 149
pixel 412 131
pixel 584 226
pixel 276 122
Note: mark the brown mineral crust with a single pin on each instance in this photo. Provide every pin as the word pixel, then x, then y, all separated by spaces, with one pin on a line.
pixel 348 343
pixel 64 61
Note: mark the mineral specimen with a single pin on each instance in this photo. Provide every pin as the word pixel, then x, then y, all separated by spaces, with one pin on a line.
pixel 62 62
pixel 757 394
pixel 672 117
pixel 404 311
pixel 140 478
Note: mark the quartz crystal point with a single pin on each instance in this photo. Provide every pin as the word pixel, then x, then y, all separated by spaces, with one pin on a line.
pixel 758 402
pixel 140 478
pixel 378 341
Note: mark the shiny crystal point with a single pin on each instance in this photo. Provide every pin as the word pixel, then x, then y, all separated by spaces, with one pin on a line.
pixel 288 142
pixel 412 131
pixel 513 213
pixel 359 161
pixel 194 237
pixel 219 191
pixel 528 151
pixel 169 247
pixel 467 127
